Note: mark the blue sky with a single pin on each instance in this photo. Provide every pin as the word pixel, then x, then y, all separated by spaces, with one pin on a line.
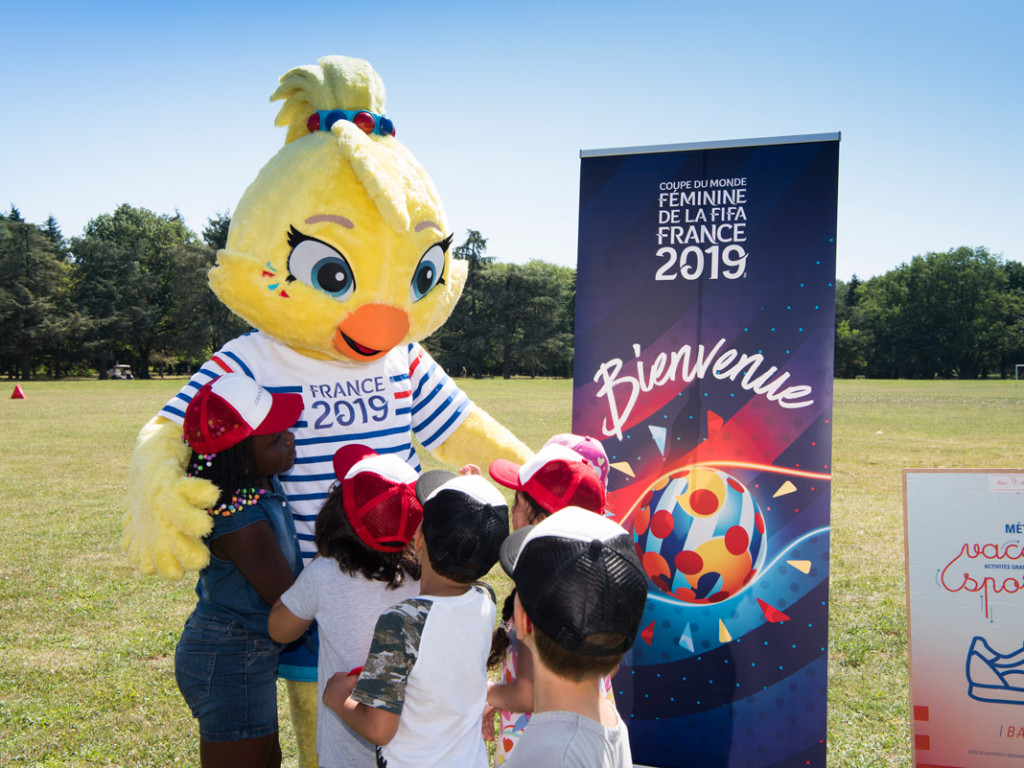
pixel 166 106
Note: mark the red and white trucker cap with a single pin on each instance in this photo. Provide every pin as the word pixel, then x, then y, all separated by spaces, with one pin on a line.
pixel 556 477
pixel 589 448
pixel 232 407
pixel 379 495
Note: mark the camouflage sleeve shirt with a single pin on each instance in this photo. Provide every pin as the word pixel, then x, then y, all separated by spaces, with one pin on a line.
pixel 393 652
pixel 428 664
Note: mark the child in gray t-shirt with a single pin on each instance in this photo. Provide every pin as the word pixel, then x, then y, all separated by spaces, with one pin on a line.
pixel 580 595
pixel 364 566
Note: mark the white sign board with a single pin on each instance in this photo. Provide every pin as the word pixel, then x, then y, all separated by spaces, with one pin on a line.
pixel 965 604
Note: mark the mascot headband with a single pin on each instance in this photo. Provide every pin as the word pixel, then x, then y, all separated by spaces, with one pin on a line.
pixel 367 122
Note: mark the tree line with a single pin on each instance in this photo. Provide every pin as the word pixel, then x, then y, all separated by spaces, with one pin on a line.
pixel 957 314
pixel 132 290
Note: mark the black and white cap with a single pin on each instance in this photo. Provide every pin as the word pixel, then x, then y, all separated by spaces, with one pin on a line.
pixel 465 520
pixel 577 574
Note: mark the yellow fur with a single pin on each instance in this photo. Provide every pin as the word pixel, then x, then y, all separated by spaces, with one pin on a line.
pixel 166 518
pixel 336 82
pixel 480 440
pixel 302 706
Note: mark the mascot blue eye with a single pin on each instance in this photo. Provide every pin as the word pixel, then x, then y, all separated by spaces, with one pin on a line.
pixel 428 273
pixel 319 266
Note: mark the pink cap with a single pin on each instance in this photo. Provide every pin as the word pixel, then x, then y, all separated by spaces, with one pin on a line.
pixel 589 448
pixel 556 477
pixel 232 407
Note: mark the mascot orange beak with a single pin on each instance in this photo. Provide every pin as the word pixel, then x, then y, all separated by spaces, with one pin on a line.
pixel 371 332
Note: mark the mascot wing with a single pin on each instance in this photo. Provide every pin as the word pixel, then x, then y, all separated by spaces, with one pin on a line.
pixel 166 518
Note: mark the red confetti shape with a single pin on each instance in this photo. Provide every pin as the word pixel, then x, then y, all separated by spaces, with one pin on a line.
pixel 686 595
pixel 648 633
pixel 774 615
pixel 704 502
pixel 641 520
pixel 736 540
pixel 662 523
pixel 689 562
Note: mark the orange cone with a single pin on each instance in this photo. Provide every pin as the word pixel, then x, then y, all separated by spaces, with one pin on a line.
pixel 17 394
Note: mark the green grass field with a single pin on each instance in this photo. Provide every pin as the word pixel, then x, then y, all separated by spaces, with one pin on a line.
pixel 86 677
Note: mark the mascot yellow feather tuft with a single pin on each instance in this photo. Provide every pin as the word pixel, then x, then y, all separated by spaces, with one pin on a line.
pixel 338 256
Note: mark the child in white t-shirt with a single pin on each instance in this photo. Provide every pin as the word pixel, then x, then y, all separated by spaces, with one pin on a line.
pixel 364 566
pixel 424 684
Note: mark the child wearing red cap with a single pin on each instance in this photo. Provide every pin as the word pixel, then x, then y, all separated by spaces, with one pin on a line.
pixel 570 470
pixel 225 663
pixel 364 565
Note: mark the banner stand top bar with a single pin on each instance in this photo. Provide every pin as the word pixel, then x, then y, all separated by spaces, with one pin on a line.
pixel 803 139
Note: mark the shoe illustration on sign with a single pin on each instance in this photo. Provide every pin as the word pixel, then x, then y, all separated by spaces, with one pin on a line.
pixel 995 677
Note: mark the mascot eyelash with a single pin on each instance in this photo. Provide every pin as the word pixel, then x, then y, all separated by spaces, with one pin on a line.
pixel 427 275
pixel 319 266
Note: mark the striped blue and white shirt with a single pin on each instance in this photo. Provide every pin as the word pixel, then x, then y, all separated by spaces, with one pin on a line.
pixel 378 404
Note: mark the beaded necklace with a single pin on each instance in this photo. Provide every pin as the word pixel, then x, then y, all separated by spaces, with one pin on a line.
pixel 243 497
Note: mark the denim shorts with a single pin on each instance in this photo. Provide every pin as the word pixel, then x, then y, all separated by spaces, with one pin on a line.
pixel 228 677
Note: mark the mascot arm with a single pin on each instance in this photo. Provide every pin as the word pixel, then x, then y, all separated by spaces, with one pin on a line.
pixel 479 440
pixel 167 518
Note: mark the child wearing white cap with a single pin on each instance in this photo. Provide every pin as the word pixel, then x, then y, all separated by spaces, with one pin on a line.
pixel 569 470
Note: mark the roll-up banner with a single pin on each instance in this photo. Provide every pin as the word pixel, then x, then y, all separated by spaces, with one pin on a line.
pixel 704 338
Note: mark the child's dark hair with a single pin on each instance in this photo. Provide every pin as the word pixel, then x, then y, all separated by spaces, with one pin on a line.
pixel 500 639
pixel 231 470
pixel 444 572
pixel 574 666
pixel 336 538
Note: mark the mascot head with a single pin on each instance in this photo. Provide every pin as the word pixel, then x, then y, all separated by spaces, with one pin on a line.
pixel 340 247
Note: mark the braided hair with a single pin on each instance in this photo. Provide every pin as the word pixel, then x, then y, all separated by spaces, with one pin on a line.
pixel 231 470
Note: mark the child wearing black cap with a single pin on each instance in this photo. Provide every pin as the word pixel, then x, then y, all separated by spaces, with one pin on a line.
pixel 580 596
pixel 424 683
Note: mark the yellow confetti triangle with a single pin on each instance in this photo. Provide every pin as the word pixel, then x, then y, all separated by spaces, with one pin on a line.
pixel 786 487
pixel 623 466
pixel 804 566
pixel 723 633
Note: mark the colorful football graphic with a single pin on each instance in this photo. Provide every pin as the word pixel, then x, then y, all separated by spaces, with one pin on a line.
pixel 700 535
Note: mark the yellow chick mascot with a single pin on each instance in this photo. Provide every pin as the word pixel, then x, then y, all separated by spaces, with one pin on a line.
pixel 338 256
